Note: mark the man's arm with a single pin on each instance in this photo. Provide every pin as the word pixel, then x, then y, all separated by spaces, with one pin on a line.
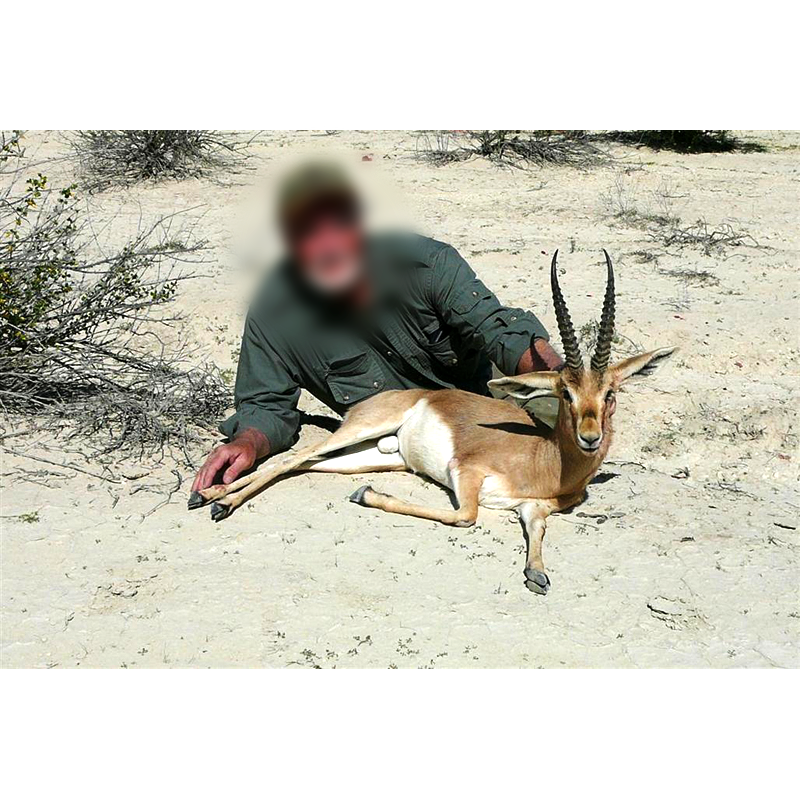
pixel 266 418
pixel 513 338
pixel 539 357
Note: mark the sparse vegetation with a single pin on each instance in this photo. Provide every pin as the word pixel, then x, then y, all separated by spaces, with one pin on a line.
pixel 86 340
pixel 708 238
pixel 685 141
pixel 712 423
pixel 645 256
pixel 693 277
pixel 579 148
pixel 123 158
pixel 657 217
pixel 623 203
pixel 519 149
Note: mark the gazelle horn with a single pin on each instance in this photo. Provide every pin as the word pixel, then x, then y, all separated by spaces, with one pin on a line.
pixel 569 341
pixel 605 332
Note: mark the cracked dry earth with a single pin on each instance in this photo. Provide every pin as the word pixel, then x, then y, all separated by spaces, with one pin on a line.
pixel 685 553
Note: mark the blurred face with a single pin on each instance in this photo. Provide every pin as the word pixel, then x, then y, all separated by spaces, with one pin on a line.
pixel 327 244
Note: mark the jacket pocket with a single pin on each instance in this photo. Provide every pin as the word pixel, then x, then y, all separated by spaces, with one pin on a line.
pixel 354 376
pixel 469 297
pixel 438 344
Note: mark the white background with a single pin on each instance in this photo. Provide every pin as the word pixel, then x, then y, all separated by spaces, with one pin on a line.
pixel 400 734
pixel 340 65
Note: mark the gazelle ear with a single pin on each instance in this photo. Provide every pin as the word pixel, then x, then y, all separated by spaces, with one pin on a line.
pixel 526 387
pixel 641 366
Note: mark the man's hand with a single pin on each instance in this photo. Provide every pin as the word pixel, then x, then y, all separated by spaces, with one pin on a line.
pixel 540 358
pixel 232 459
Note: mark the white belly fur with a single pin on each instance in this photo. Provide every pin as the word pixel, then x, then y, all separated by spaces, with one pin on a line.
pixel 494 494
pixel 426 444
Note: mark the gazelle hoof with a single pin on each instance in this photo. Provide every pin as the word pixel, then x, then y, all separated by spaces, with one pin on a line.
pixel 536 581
pixel 358 495
pixel 219 512
pixel 195 501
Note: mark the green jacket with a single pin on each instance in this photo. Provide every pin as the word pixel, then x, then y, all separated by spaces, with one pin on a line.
pixel 434 325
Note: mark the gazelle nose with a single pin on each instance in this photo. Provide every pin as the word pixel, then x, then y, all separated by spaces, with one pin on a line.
pixel 589 441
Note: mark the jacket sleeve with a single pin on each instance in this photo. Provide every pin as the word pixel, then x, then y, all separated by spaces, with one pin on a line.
pixel 465 304
pixel 266 391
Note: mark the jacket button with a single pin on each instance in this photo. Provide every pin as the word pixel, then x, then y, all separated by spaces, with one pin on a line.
pixel 346 397
pixel 375 384
pixel 454 361
pixel 474 294
pixel 513 319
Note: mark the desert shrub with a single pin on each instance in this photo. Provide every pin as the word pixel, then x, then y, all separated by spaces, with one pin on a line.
pixel 87 338
pixel 513 148
pixel 684 141
pixel 123 158
pixel 709 238
pixel 569 148
pixel 655 214
pixel 10 147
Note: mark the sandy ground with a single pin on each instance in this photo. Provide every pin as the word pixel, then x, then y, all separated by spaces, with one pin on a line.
pixel 684 555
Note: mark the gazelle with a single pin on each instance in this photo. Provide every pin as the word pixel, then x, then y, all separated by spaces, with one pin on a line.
pixel 489 452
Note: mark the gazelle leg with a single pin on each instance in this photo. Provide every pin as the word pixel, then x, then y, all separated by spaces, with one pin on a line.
pixel 369 421
pixel 358 460
pixel 467 484
pixel 534 514
pixel 310 459
pixel 292 462
pixel 228 498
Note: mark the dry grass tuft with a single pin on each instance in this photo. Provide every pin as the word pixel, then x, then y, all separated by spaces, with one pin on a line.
pixel 124 158
pixel 520 149
pixel 709 239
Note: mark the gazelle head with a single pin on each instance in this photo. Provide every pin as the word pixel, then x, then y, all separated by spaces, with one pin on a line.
pixel 587 396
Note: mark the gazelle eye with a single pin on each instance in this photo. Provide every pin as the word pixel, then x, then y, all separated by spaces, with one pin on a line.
pixel 567 396
pixel 609 395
